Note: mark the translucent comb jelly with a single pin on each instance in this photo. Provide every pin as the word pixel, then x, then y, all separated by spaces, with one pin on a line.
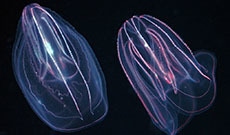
pixel 57 71
pixel 172 83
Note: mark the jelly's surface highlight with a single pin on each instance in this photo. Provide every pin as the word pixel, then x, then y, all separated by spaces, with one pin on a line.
pixel 172 83
pixel 57 71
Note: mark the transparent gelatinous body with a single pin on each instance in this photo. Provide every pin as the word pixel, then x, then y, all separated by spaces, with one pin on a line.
pixel 172 83
pixel 57 71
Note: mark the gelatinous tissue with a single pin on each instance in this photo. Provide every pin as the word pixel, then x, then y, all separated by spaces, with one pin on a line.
pixel 172 83
pixel 57 71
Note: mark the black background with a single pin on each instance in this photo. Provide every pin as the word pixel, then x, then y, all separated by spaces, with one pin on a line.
pixel 202 25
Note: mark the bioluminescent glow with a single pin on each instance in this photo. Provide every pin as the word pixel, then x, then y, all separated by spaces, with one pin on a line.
pixel 173 83
pixel 57 71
